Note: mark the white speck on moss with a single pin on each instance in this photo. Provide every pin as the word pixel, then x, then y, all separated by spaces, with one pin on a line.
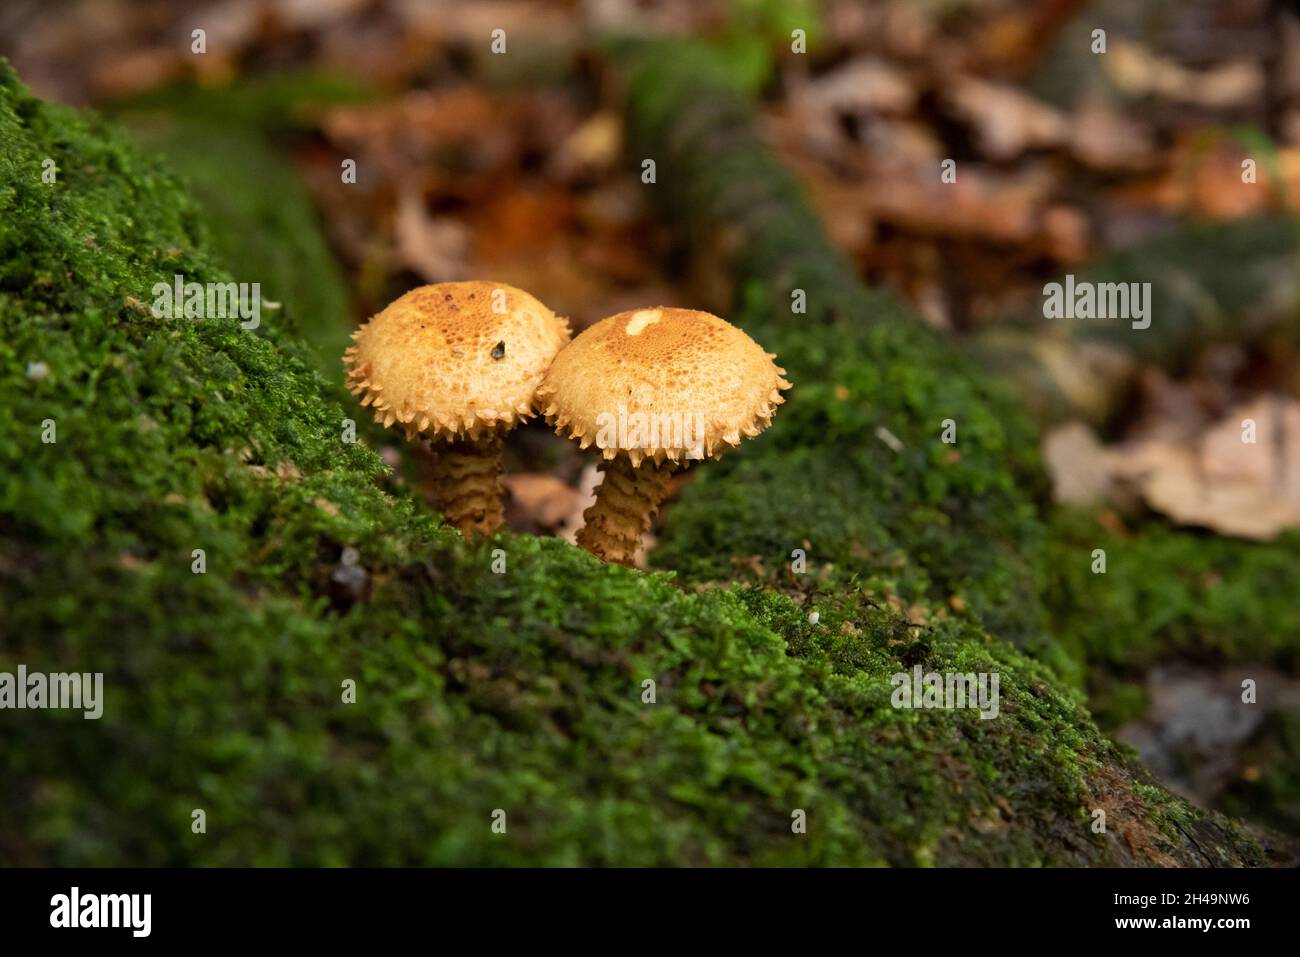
pixel 889 438
pixel 37 371
pixel 814 617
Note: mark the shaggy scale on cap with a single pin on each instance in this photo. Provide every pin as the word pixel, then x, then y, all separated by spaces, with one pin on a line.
pixel 457 363
pixel 668 366
pixel 456 359
pixel 654 389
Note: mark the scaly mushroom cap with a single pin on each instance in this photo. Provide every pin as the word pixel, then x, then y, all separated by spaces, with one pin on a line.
pixel 661 383
pixel 456 359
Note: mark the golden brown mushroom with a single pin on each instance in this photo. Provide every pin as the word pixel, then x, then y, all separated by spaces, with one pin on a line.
pixel 457 363
pixel 655 389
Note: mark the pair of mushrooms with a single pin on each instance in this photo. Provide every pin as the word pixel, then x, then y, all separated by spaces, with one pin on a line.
pixel 462 363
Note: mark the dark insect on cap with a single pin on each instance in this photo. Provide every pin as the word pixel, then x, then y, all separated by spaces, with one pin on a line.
pixel 499 351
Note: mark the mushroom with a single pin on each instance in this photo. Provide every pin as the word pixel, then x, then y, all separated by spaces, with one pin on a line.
pixel 655 389
pixel 458 363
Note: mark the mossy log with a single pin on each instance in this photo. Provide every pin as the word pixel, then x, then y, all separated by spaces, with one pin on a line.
pixel 522 692
pixel 1209 284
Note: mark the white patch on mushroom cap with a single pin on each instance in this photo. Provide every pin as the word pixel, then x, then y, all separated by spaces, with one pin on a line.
pixel 640 320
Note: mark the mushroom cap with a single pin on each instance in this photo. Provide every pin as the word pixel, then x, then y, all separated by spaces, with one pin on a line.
pixel 661 383
pixel 455 359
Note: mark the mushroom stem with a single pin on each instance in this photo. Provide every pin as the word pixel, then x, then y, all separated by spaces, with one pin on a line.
pixel 466 478
pixel 626 502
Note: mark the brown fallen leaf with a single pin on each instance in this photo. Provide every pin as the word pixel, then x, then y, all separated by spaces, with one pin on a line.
pixel 469 23
pixel 1203 175
pixel 538 502
pixel 137 70
pixel 595 145
pixel 1138 71
pixel 862 85
pixel 587 482
pixel 981 204
pixel 1015 37
pixel 313 14
pixel 1220 480
pixel 520 220
pixel 909 139
pixel 464 138
pixel 1168 408
pixel 1006 120
pixel 1077 464
pixel 435 248
pixel 1103 139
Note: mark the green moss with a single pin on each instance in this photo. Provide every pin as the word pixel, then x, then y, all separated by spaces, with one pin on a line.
pixel 1210 283
pixel 1175 595
pixel 291 100
pixel 1115 703
pixel 475 691
pixel 1226 282
pixel 1170 593
pixel 260 220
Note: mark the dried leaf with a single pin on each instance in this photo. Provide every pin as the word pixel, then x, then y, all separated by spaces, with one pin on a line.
pixel 862 85
pixel 1007 122
pixel 539 502
pixel 1139 72
pixel 1077 463
pixel 1221 480
pixel 434 248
